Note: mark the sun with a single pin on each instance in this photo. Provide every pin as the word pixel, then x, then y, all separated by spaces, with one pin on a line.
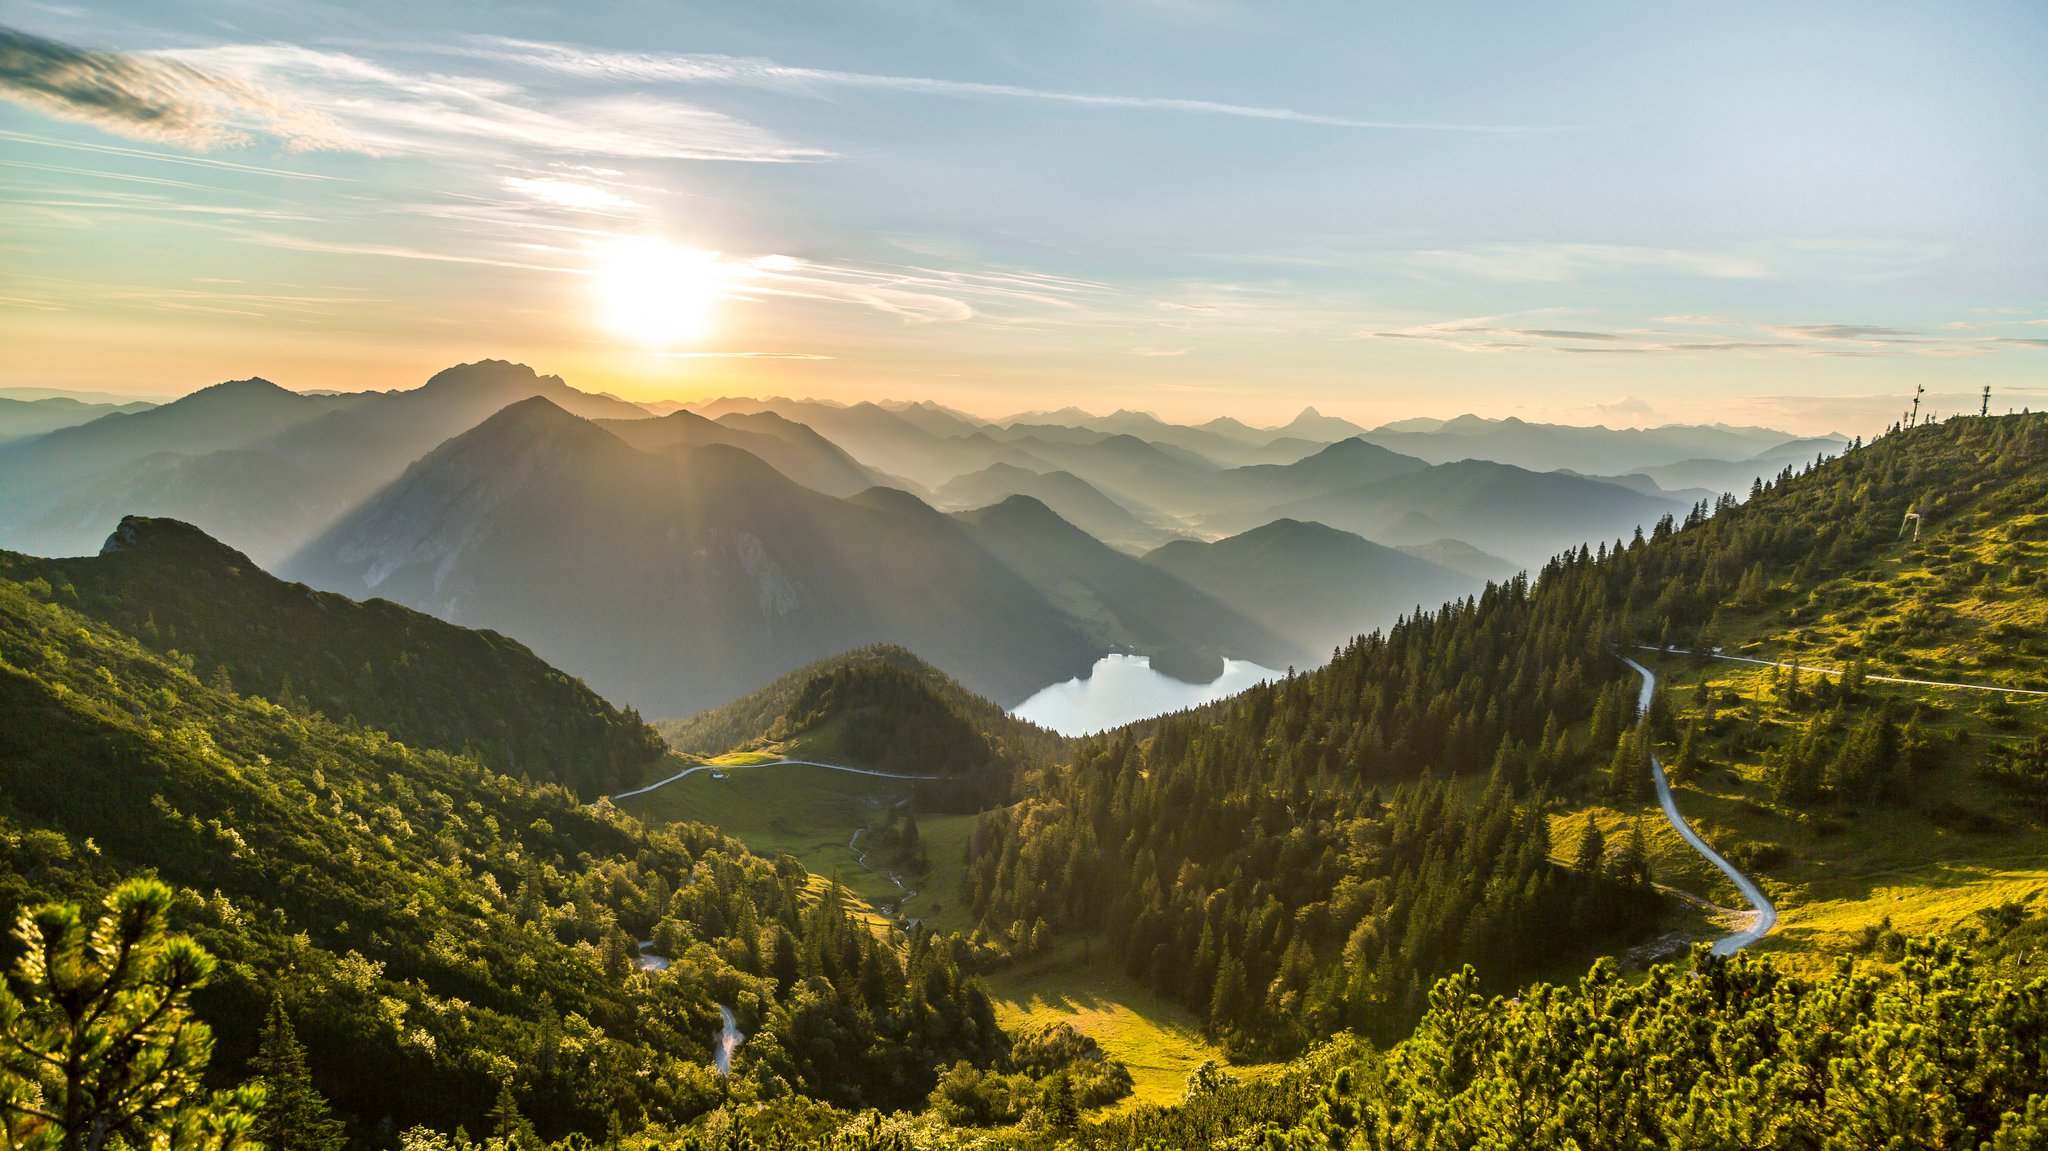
pixel 657 293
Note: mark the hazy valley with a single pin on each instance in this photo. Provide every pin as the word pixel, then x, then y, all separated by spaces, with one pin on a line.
pixel 1190 576
pixel 1279 866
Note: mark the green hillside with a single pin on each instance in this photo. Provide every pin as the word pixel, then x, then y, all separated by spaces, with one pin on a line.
pixel 878 707
pixel 1868 806
pixel 438 930
pixel 427 683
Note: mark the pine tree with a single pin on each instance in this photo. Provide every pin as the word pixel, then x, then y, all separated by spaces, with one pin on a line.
pixel 294 1116
pixel 1592 849
pixel 99 1041
pixel 511 1129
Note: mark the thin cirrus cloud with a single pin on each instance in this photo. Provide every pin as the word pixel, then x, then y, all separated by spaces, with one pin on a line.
pixel 1556 263
pixel 391 111
pixel 1854 333
pixel 1833 340
pixel 570 194
pixel 225 96
pixel 149 97
pixel 711 68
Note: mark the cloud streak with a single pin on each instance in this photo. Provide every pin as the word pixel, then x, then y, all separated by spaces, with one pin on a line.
pixel 147 97
pixel 1482 334
pixel 392 111
pixel 753 72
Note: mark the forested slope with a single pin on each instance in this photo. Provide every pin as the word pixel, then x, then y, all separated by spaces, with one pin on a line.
pixel 965 730
pixel 437 928
pixel 1282 860
pixel 425 682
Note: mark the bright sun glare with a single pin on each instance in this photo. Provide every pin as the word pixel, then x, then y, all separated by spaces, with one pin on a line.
pixel 657 293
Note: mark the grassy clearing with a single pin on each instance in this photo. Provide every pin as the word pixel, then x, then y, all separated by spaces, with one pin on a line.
pixel 746 758
pixel 1075 983
pixel 1951 847
pixel 811 813
pixel 807 812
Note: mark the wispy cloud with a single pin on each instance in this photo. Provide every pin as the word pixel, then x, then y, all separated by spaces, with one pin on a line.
pixel 915 294
pixel 160 157
pixel 1561 334
pixel 1486 335
pixel 149 97
pixel 388 110
pixel 1860 333
pixel 1160 351
pixel 707 68
pixel 570 194
pixel 1555 263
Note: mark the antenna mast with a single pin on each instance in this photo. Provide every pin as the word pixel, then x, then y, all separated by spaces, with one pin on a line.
pixel 1918 391
pixel 1985 408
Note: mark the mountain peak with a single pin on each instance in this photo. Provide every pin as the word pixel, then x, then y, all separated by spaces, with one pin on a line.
pixel 531 419
pixel 254 386
pixel 168 541
pixel 490 374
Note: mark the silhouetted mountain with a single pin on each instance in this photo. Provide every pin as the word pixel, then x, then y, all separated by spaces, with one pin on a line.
pixel 1460 556
pixel 20 419
pixel 1318 586
pixel 323 454
pixel 1218 445
pixel 228 415
pixel 894 442
pixel 1244 497
pixel 1314 425
pixel 1133 471
pixel 1121 601
pixel 461 396
pixel 937 419
pixel 790 448
pixel 679 580
pixel 1522 515
pixel 1069 496
pixel 1547 447
pixel 66 490
pixel 426 682
pixel 1720 476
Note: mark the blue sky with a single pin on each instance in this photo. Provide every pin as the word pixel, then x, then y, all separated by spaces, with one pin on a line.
pixel 1622 212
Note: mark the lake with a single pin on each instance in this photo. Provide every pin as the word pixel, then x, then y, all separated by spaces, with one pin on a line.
pixel 1123 689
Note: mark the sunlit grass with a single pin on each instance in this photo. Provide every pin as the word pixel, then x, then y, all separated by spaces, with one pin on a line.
pixel 1078 983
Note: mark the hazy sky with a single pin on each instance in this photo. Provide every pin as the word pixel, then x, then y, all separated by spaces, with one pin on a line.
pixel 1785 214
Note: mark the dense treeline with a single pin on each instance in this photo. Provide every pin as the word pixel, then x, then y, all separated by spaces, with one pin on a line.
pixel 884 709
pixel 439 933
pixel 427 683
pixel 1944 1047
pixel 1280 861
pixel 892 721
pixel 779 710
pixel 1285 864
pixel 1729 1053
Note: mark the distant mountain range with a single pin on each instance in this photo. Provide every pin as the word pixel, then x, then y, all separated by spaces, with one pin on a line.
pixel 680 579
pixel 679 554
pixel 261 467
pixel 22 418
pixel 1316 585
pixel 1598 450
